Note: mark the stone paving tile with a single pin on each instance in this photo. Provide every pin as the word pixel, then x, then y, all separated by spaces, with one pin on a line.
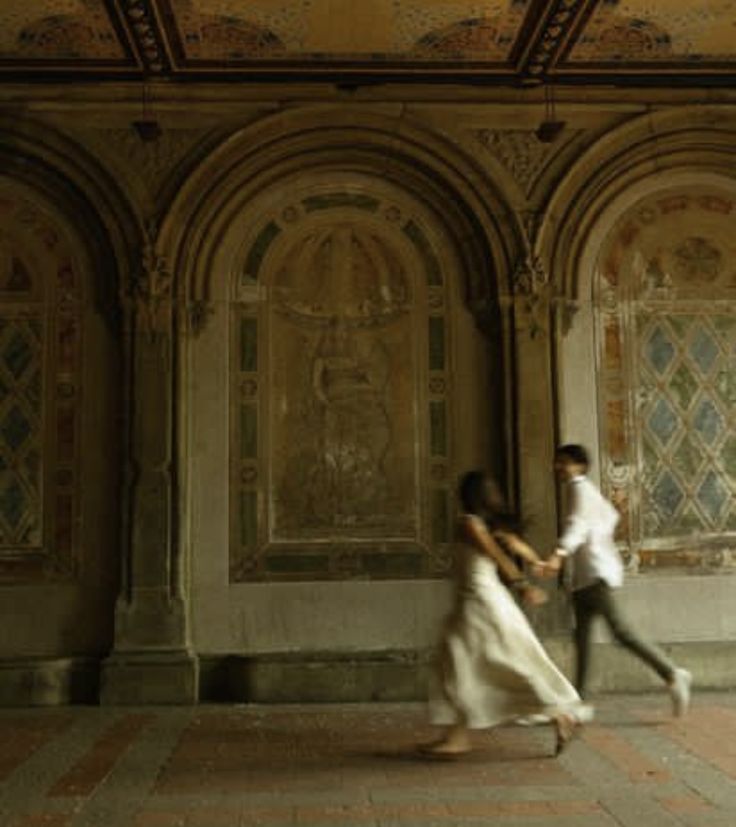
pixel 697 775
pixel 357 765
pixel 43 819
pixel 631 809
pixel 622 754
pixel 588 820
pixel 126 789
pixel 96 764
pixel 22 792
pixel 685 804
pixel 22 736
pixel 709 733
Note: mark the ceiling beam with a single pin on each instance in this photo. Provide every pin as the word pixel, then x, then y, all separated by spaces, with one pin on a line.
pixel 147 36
pixel 548 28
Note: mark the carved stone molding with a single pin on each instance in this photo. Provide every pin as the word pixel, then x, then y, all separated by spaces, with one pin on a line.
pixel 551 37
pixel 519 150
pixel 531 287
pixel 530 276
pixel 153 162
pixel 198 312
pixel 567 310
pixel 152 292
pixel 146 35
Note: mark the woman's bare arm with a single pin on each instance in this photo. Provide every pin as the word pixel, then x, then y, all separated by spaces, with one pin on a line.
pixel 515 544
pixel 481 538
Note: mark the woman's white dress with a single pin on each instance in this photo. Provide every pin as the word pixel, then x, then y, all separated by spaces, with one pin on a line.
pixel 491 666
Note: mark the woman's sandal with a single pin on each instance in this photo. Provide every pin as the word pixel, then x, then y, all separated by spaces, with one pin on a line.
pixel 438 752
pixel 566 728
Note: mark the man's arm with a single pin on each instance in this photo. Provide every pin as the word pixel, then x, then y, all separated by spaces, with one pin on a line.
pixel 575 531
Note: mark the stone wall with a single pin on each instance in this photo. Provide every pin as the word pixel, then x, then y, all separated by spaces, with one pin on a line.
pixel 246 355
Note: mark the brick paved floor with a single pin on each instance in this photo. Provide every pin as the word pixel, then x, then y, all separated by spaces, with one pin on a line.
pixel 328 766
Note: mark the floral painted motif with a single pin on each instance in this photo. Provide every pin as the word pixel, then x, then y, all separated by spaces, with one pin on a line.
pixel 650 31
pixel 385 30
pixel 665 295
pixel 58 29
pixel 40 360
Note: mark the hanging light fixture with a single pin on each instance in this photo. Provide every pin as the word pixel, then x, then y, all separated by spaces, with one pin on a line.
pixel 549 130
pixel 147 127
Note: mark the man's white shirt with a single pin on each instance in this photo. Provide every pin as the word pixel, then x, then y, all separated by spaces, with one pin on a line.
pixel 588 537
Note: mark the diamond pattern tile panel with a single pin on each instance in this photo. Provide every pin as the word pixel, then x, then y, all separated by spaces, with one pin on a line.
pixel 21 352
pixel 687 450
pixel 663 421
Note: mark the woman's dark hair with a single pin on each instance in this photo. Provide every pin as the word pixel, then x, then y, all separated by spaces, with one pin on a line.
pixel 473 495
pixel 472 492
pixel 574 452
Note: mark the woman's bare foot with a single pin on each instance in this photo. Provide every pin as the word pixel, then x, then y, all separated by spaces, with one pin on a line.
pixel 566 727
pixel 454 743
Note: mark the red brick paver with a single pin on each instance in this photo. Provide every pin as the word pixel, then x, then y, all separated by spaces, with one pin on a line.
pixel 93 768
pixel 343 766
pixel 616 749
pixel 710 733
pixel 20 737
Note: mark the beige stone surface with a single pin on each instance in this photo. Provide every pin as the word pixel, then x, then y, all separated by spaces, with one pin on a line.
pixel 425 304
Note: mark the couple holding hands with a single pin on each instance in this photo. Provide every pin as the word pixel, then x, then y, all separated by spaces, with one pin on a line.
pixel 491 667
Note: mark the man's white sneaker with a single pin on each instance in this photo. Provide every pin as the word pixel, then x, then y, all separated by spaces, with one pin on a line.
pixel 585 713
pixel 680 692
pixel 535 719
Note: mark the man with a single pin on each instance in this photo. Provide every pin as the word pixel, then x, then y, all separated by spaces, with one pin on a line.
pixel 597 573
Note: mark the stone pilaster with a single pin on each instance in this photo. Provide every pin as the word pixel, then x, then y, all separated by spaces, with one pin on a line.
pixel 535 421
pixel 152 661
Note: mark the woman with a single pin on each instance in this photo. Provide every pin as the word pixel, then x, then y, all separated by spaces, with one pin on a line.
pixel 491 666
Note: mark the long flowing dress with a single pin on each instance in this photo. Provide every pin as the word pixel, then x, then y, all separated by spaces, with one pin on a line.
pixel 491 667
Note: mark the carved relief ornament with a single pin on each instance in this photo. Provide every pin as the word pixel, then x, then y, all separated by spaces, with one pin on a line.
pixel 531 286
pixel 152 292
pixel 519 150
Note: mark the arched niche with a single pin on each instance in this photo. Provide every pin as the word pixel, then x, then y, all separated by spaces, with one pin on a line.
pixel 60 449
pixel 346 337
pixel 651 354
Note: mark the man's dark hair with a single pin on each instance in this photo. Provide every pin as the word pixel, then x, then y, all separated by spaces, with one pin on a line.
pixel 574 452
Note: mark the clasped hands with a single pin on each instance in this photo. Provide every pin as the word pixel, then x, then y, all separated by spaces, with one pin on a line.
pixel 543 569
pixel 547 568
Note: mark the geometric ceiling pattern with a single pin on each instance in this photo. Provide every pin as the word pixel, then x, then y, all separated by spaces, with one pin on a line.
pixel 482 41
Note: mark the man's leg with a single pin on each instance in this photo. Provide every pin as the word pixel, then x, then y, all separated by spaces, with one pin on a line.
pixel 627 637
pixel 584 609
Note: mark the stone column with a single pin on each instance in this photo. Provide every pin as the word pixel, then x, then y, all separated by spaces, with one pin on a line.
pixel 152 661
pixel 536 431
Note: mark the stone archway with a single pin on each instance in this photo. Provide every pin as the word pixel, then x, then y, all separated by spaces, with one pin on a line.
pixel 60 411
pixel 663 297
pixel 645 156
pixel 337 380
pixel 627 232
pixel 342 428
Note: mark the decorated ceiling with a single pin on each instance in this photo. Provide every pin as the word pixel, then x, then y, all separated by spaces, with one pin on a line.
pixel 503 41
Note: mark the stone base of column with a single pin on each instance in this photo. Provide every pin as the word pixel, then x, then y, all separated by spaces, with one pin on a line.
pixel 49 681
pixel 150 677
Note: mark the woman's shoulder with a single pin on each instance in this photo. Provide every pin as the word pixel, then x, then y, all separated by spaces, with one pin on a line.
pixel 468 525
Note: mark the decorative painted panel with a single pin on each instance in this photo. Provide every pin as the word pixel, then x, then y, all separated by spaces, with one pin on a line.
pixel 53 30
pixel 341 461
pixel 501 41
pixel 647 31
pixel 40 356
pixel 21 429
pixel 666 294
pixel 378 31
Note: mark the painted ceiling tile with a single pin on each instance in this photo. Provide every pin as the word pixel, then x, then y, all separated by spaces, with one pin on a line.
pixel 58 29
pixel 647 31
pixel 339 30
